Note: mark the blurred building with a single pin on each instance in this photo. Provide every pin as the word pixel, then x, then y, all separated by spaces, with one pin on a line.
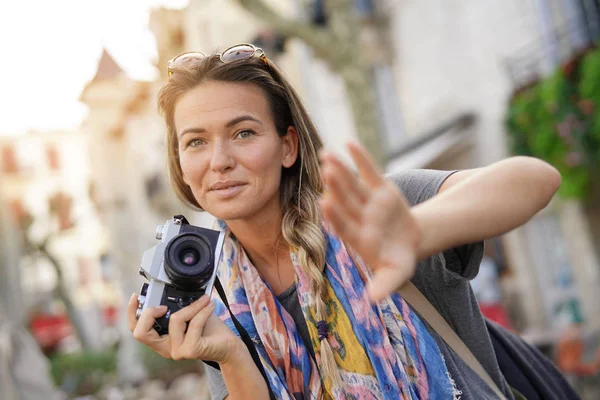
pixel 567 236
pixel 45 199
pixel 454 59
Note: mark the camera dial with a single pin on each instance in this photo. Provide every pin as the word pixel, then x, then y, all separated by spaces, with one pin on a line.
pixel 141 301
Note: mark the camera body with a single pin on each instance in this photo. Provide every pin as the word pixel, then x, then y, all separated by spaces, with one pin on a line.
pixel 180 268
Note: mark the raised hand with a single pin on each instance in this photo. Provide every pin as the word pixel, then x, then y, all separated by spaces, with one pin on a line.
pixel 372 216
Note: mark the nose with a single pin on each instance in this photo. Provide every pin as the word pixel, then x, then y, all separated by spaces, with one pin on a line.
pixel 221 157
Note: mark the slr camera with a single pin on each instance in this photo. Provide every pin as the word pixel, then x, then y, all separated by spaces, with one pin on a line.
pixel 180 268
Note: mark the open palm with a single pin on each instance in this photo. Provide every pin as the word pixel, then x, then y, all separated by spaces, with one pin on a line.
pixel 372 216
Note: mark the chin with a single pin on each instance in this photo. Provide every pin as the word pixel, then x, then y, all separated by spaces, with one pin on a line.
pixel 232 211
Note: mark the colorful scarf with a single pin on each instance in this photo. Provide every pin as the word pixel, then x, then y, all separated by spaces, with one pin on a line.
pixel 382 351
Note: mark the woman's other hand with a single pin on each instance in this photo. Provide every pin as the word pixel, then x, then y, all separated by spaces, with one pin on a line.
pixel 372 216
pixel 207 337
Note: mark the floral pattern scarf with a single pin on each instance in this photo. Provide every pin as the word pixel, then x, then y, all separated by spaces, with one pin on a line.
pixel 381 349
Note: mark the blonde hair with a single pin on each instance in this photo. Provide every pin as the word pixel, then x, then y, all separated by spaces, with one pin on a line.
pixel 301 184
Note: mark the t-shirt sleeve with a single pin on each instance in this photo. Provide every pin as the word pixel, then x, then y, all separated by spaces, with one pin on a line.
pixel 216 383
pixel 419 185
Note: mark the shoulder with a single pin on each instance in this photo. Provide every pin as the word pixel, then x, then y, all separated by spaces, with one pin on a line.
pixel 419 185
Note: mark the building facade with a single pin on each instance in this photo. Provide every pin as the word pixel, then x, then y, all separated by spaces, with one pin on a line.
pixel 53 237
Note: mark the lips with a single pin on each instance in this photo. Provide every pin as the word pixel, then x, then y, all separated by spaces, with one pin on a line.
pixel 226 185
pixel 228 189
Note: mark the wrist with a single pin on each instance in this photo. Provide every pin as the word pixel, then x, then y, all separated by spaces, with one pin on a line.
pixel 412 233
pixel 429 232
pixel 238 354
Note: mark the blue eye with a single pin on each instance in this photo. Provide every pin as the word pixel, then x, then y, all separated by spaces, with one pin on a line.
pixel 245 134
pixel 195 142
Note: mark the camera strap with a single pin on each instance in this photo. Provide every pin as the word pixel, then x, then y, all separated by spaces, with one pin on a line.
pixel 245 338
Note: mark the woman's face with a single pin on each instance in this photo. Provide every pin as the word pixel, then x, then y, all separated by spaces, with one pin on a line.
pixel 229 151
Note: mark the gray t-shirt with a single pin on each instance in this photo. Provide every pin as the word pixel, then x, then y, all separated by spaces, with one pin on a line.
pixel 444 281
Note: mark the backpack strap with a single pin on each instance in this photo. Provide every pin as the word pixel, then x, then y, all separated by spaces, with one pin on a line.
pixel 419 302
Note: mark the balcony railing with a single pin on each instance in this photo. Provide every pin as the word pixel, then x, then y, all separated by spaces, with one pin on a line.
pixel 555 47
pixel 460 122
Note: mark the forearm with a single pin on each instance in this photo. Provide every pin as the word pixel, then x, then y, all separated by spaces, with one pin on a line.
pixel 494 201
pixel 242 377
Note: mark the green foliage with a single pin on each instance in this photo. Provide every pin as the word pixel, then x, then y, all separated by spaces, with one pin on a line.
pixel 558 120
pixel 84 372
pixel 159 367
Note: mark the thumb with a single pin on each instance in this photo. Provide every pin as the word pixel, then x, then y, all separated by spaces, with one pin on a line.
pixel 146 322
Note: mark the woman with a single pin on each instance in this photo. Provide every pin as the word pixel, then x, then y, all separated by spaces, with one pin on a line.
pixel 297 263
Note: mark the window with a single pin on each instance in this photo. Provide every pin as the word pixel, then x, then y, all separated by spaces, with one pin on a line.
pixel 10 164
pixel 388 107
pixel 589 14
pixel 365 8
pixel 20 214
pixel 52 157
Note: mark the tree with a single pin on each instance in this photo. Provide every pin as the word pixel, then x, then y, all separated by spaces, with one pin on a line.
pixel 338 44
pixel 60 207
pixel 24 371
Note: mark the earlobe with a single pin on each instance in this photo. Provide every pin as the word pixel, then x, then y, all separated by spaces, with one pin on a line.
pixel 290 147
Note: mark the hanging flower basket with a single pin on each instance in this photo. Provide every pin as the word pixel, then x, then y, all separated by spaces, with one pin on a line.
pixel 558 120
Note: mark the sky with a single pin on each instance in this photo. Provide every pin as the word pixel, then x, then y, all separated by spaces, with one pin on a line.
pixel 49 50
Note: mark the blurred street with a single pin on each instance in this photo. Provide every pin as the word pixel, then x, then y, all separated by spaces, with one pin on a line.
pixel 431 85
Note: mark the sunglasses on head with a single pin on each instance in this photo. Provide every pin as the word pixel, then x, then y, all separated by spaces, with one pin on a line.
pixel 238 52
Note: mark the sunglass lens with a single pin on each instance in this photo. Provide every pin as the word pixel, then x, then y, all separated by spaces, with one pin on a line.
pixel 241 52
pixel 186 60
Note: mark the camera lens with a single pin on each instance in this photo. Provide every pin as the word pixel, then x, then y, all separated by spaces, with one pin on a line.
pixel 189 261
pixel 189 257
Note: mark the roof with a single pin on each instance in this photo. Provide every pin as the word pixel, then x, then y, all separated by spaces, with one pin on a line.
pixel 107 68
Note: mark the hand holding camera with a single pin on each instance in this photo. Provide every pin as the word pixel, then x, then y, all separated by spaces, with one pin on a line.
pixel 194 332
pixel 173 313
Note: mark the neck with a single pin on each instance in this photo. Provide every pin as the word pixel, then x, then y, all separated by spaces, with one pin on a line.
pixel 261 238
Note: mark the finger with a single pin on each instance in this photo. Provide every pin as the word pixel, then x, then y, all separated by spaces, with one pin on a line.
pixel 346 228
pixel 365 164
pixel 348 179
pixel 178 321
pixel 144 330
pixel 197 324
pixel 340 196
pixel 131 311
